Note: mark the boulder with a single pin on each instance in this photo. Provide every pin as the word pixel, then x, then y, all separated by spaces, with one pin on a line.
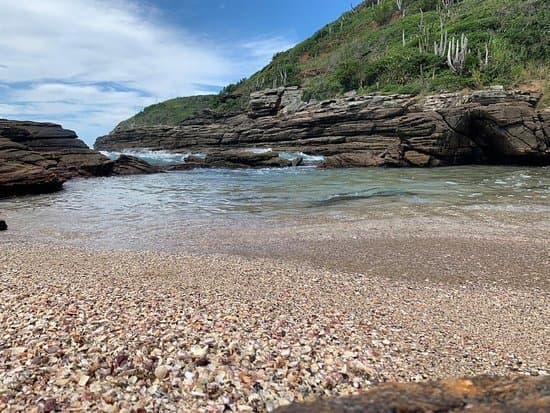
pixel 480 394
pixel 18 178
pixel 245 159
pixel 237 159
pixel 130 165
pixel 415 158
pixel 3 225
pixel 359 159
pixel 25 172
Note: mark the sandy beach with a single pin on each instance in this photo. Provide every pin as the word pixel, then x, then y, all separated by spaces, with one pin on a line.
pixel 263 317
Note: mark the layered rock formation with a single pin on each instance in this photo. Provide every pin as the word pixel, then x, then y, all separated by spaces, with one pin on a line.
pixel 39 157
pixel 480 394
pixel 24 171
pixel 64 154
pixel 491 126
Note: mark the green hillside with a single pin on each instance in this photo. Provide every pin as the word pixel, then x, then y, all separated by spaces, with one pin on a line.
pixel 378 47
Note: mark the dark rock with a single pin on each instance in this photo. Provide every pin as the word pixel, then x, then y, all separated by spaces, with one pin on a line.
pixel 25 172
pixel 357 159
pixel 39 157
pixel 245 159
pixel 48 405
pixel 490 126
pixel 130 165
pixel 297 161
pixel 3 225
pixel 513 133
pixel 417 158
pixel 479 394
pixel 191 162
pixel 236 159
pixel 65 154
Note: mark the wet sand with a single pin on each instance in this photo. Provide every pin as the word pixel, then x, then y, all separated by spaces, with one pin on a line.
pixel 443 250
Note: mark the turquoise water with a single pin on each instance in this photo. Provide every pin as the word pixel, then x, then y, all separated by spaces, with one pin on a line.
pixel 163 206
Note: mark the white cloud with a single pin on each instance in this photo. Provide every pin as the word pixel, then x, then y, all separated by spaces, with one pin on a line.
pixel 266 47
pixel 91 63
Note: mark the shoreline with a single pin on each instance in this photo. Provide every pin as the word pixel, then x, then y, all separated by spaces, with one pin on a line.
pixel 506 248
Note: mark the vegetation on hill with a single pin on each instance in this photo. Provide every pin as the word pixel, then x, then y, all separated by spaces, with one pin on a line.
pixel 411 46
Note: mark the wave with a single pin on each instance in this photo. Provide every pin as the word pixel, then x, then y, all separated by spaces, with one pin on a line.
pixel 153 157
pixel 258 150
pixel 291 156
pixel 356 196
pixel 307 159
pixel 163 157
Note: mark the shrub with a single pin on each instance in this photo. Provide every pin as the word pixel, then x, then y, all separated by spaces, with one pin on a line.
pixel 383 12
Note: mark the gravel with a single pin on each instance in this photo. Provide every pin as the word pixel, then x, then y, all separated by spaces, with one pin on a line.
pixel 120 331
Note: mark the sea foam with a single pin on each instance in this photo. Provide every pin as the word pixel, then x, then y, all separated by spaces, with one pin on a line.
pixel 152 157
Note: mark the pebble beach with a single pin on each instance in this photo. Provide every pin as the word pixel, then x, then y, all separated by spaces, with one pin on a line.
pixel 83 329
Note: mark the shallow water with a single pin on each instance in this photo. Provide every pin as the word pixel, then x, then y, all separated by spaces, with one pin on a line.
pixel 153 209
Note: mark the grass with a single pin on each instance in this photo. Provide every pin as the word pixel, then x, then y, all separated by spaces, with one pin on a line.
pixel 364 50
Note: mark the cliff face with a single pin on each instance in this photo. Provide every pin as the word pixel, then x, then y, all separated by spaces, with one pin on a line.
pixel 39 157
pixel 491 126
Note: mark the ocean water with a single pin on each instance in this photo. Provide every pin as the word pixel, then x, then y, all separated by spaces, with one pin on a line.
pixel 153 157
pixel 121 211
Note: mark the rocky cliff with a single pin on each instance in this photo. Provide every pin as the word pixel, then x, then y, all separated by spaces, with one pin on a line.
pixel 489 126
pixel 39 157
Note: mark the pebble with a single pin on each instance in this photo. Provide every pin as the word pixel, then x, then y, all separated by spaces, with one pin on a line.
pixel 199 352
pixel 83 380
pixel 137 332
pixel 161 372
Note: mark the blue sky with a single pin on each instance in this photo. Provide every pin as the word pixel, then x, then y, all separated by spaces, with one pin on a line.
pixel 88 64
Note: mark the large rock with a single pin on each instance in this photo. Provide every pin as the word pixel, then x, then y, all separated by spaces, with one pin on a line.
pixel 130 165
pixel 65 154
pixel 480 395
pixel 491 126
pixel 39 157
pixel 244 159
pixel 358 159
pixel 3 225
pixel 233 159
pixel 23 171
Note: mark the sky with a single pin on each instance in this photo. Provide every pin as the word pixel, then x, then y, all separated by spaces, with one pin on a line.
pixel 89 64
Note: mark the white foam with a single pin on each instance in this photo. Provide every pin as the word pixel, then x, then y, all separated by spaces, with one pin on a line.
pixel 307 159
pixel 153 157
pixel 258 150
